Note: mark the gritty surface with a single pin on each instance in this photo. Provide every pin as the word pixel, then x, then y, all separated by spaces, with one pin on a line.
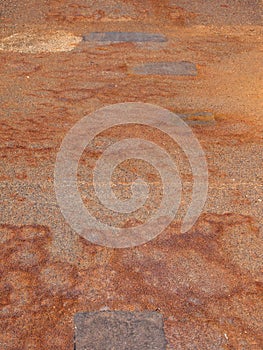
pixel 119 330
pixel 208 282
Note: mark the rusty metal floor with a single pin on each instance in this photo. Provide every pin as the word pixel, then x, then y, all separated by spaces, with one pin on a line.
pixel 201 61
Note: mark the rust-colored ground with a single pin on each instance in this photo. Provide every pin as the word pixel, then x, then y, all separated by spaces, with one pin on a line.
pixel 207 283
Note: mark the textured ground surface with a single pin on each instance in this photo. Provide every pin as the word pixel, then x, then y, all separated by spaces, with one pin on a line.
pixel 207 283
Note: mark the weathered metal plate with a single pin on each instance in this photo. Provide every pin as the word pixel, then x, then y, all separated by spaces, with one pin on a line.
pixel 208 282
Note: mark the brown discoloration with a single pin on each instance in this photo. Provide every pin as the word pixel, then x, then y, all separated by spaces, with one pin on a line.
pixel 207 283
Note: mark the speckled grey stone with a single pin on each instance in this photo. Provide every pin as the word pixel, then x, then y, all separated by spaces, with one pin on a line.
pixel 167 68
pixel 119 330
pixel 124 37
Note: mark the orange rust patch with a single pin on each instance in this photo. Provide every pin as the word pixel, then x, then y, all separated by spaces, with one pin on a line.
pixel 189 278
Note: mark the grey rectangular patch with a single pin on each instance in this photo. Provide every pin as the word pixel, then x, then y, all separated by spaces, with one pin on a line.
pixel 120 330
pixel 124 37
pixel 167 68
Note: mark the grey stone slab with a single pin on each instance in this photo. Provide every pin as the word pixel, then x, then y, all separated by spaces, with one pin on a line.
pixel 167 68
pixel 124 37
pixel 120 330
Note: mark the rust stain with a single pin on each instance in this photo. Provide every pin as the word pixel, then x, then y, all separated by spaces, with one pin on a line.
pixel 203 288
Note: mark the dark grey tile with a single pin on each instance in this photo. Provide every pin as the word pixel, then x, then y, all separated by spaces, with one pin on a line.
pixel 119 330
pixel 167 68
pixel 124 37
pixel 198 118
